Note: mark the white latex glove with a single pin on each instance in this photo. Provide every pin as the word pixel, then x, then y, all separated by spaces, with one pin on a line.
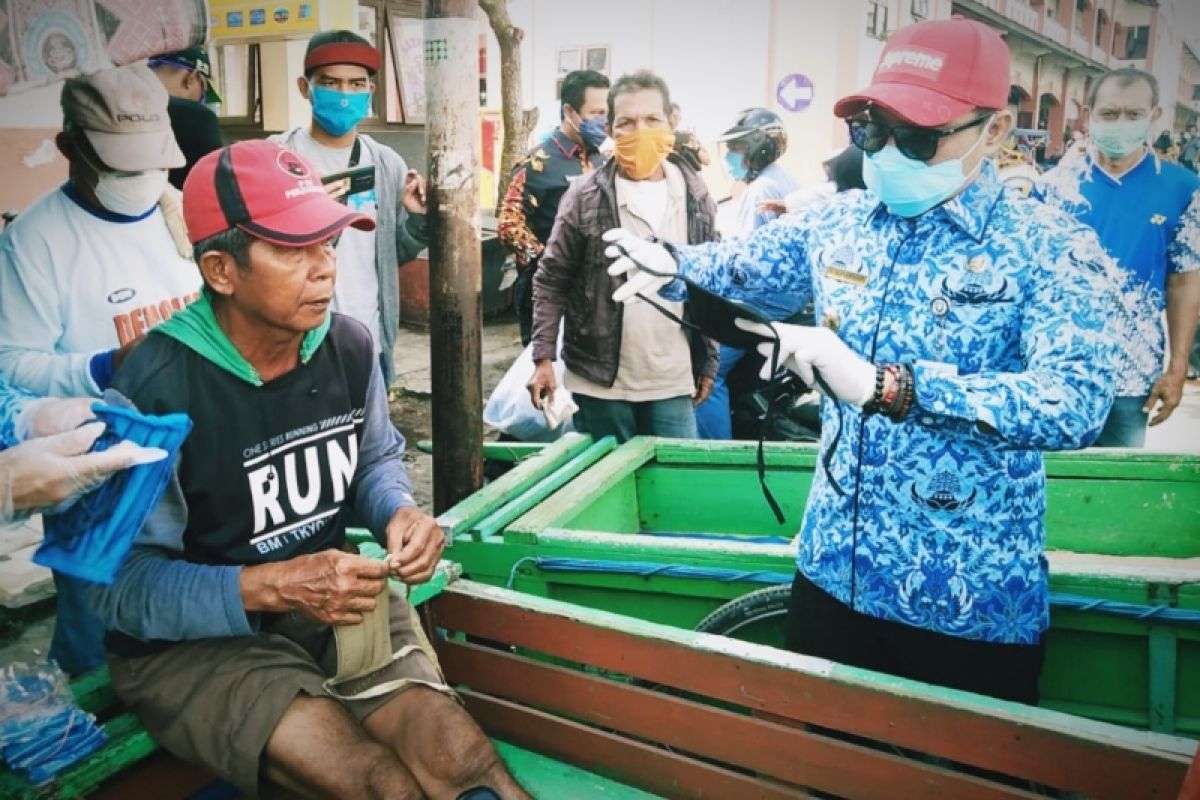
pixel 44 472
pixel 630 250
pixel 47 416
pixel 802 349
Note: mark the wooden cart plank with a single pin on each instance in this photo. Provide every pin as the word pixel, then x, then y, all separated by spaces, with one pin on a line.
pixel 1096 759
pixel 645 766
pixel 784 753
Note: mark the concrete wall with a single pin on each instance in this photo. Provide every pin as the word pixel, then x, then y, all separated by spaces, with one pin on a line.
pixel 30 165
pixel 717 56
pixel 710 52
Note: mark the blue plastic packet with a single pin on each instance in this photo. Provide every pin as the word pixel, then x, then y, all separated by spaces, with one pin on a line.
pixel 42 730
pixel 90 538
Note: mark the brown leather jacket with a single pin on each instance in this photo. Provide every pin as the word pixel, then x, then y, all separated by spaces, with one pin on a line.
pixel 572 278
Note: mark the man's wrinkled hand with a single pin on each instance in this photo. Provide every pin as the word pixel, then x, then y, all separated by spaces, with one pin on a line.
pixel 1166 395
pixel 704 387
pixel 332 586
pixel 647 266
pixel 414 543
pixel 413 199
pixel 542 385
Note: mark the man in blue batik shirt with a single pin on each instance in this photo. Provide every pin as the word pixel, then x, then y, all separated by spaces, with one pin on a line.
pixel 1147 214
pixel 965 329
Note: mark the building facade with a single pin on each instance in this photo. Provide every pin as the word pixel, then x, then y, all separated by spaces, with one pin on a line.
pixel 1059 47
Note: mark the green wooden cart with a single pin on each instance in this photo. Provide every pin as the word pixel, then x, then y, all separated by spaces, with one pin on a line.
pixel 589 677
pixel 616 528
pixel 584 703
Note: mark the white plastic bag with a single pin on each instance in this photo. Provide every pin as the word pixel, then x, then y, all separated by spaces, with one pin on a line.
pixel 510 410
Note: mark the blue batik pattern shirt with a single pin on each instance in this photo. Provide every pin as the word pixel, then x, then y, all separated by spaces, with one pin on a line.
pixel 12 401
pixel 1149 221
pixel 1002 306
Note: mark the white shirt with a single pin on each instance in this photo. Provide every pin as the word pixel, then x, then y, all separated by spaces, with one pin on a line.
pixel 75 282
pixel 655 361
pixel 647 199
pixel 773 183
pixel 356 289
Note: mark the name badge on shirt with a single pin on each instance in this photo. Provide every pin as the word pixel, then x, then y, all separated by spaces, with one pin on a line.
pixel 846 276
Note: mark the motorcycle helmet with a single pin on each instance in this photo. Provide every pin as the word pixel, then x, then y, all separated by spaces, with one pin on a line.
pixel 761 132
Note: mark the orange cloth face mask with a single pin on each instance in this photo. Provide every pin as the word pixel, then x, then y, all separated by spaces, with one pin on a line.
pixel 641 152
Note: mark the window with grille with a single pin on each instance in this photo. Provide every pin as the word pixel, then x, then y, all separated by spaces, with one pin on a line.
pixel 1137 42
pixel 877 19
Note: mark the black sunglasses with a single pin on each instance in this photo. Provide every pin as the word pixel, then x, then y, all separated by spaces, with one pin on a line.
pixel 916 143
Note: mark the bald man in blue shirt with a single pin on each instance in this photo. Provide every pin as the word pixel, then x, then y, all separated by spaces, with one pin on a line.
pixel 1147 214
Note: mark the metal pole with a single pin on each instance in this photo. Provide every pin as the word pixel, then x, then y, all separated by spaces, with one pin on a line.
pixel 452 128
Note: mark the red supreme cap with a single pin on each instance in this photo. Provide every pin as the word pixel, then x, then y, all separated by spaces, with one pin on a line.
pixel 933 72
pixel 265 190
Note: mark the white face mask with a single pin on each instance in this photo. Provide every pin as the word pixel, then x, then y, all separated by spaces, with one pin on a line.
pixel 133 194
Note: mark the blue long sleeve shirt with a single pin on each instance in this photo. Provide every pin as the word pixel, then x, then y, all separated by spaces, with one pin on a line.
pixel 177 584
pixel 1002 307
pixel 1149 222
pixel 12 402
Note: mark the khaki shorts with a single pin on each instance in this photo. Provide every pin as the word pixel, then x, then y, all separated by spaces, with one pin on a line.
pixel 216 702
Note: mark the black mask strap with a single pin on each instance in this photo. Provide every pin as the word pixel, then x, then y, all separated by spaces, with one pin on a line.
pixel 771 389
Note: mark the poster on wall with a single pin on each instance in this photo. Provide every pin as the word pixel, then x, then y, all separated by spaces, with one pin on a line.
pixel 43 41
pixel 408 39
pixel 257 19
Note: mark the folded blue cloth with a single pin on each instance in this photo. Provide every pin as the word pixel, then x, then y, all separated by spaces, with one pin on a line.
pixel 90 538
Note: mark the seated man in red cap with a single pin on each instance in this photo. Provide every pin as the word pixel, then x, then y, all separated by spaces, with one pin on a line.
pixel 964 330
pixel 232 620
pixel 338 79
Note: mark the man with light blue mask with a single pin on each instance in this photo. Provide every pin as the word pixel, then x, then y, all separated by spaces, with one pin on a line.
pixel 1147 214
pixel 530 206
pixel 338 80
pixel 963 328
pixel 753 145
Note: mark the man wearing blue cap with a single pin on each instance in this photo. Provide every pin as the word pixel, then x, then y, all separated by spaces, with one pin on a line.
pixel 187 76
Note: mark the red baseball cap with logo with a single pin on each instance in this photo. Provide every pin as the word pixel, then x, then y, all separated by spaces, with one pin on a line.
pixel 933 72
pixel 265 190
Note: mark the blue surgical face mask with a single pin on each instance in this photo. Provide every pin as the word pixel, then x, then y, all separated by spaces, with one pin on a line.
pixel 593 131
pixel 736 164
pixel 1119 139
pixel 909 187
pixel 338 112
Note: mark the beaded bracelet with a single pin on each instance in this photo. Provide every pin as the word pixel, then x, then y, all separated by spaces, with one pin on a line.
pixel 894 399
pixel 906 394
pixel 884 394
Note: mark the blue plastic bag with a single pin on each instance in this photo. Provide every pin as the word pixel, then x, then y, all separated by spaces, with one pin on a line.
pixel 90 538
pixel 42 731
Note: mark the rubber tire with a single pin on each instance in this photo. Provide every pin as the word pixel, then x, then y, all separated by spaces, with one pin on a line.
pixel 765 603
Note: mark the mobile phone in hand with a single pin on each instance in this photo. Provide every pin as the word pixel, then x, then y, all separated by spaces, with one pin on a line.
pixel 354 180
